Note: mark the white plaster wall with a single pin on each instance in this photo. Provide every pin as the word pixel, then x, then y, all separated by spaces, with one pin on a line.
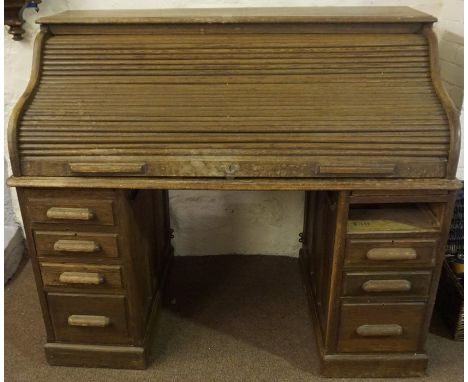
pixel 205 222
pixel 9 218
pixel 451 47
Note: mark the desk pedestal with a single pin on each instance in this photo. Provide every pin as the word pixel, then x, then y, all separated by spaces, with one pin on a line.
pixel 371 263
pixel 100 260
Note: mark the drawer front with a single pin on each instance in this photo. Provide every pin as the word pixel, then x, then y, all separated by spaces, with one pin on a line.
pixel 80 276
pixel 380 327
pixel 71 211
pixel 375 284
pixel 397 252
pixel 91 319
pixel 76 244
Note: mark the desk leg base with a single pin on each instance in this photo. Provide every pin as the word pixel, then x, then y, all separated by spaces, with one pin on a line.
pixel 339 365
pixel 373 365
pixel 116 357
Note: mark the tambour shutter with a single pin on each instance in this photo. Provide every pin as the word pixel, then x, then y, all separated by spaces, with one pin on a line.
pixel 255 103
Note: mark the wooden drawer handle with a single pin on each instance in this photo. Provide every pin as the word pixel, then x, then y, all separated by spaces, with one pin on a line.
pixel 89 321
pixel 372 286
pixel 76 246
pixel 81 278
pixel 385 254
pixel 70 213
pixel 388 330
pixel 111 168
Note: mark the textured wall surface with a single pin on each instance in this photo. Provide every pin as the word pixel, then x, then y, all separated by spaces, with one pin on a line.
pixel 9 218
pixel 451 38
pixel 225 222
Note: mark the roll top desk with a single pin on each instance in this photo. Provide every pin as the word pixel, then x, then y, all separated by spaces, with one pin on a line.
pixel 345 104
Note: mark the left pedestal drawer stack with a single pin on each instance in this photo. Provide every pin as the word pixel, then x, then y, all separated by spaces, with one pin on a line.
pixel 100 259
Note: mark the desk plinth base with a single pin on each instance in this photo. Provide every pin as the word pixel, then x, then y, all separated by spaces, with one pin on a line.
pixel 115 357
pixel 386 365
pixel 373 366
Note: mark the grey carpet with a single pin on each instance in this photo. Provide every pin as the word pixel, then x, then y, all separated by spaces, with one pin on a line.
pixel 225 318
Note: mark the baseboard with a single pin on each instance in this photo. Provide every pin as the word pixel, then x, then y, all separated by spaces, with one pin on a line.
pixel 116 357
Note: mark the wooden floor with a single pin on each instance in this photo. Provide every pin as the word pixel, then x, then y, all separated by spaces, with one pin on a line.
pixel 226 318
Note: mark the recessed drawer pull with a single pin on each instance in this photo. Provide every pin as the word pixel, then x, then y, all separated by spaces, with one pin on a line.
pixel 70 213
pixel 372 286
pixel 110 168
pixel 88 321
pixel 389 254
pixel 388 330
pixel 87 246
pixel 81 278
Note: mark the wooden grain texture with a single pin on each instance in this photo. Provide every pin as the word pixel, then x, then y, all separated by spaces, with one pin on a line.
pixel 70 245
pixel 447 103
pixel 76 246
pixel 99 168
pixel 89 321
pixel 18 110
pixel 343 103
pixel 62 306
pixel 231 104
pixel 394 284
pixel 408 317
pixel 80 355
pixel 446 214
pixel 64 213
pixel 386 330
pixel 396 365
pixel 357 250
pixel 74 211
pixel 240 28
pixel 259 184
pixel 391 219
pixel 376 365
pixel 338 252
pixel 390 254
pixel 122 281
pixel 241 15
pixel 82 276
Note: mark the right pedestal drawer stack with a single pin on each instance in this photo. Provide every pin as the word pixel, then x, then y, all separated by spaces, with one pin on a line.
pixel 389 257
pixel 386 257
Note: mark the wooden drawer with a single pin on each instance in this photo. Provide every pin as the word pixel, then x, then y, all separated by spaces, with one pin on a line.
pixel 375 284
pixel 72 211
pixel 396 252
pixel 81 276
pixel 381 327
pixel 392 219
pixel 76 244
pixel 92 319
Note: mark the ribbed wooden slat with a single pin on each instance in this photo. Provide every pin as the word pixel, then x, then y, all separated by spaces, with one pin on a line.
pixel 235 152
pixel 224 98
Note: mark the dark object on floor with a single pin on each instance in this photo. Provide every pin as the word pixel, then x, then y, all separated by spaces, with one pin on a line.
pixel 449 301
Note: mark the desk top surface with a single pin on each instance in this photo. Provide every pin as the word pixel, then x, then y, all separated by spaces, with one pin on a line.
pixel 242 15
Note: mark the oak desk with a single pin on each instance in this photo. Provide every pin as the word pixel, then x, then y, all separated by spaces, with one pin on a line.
pixel 345 104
